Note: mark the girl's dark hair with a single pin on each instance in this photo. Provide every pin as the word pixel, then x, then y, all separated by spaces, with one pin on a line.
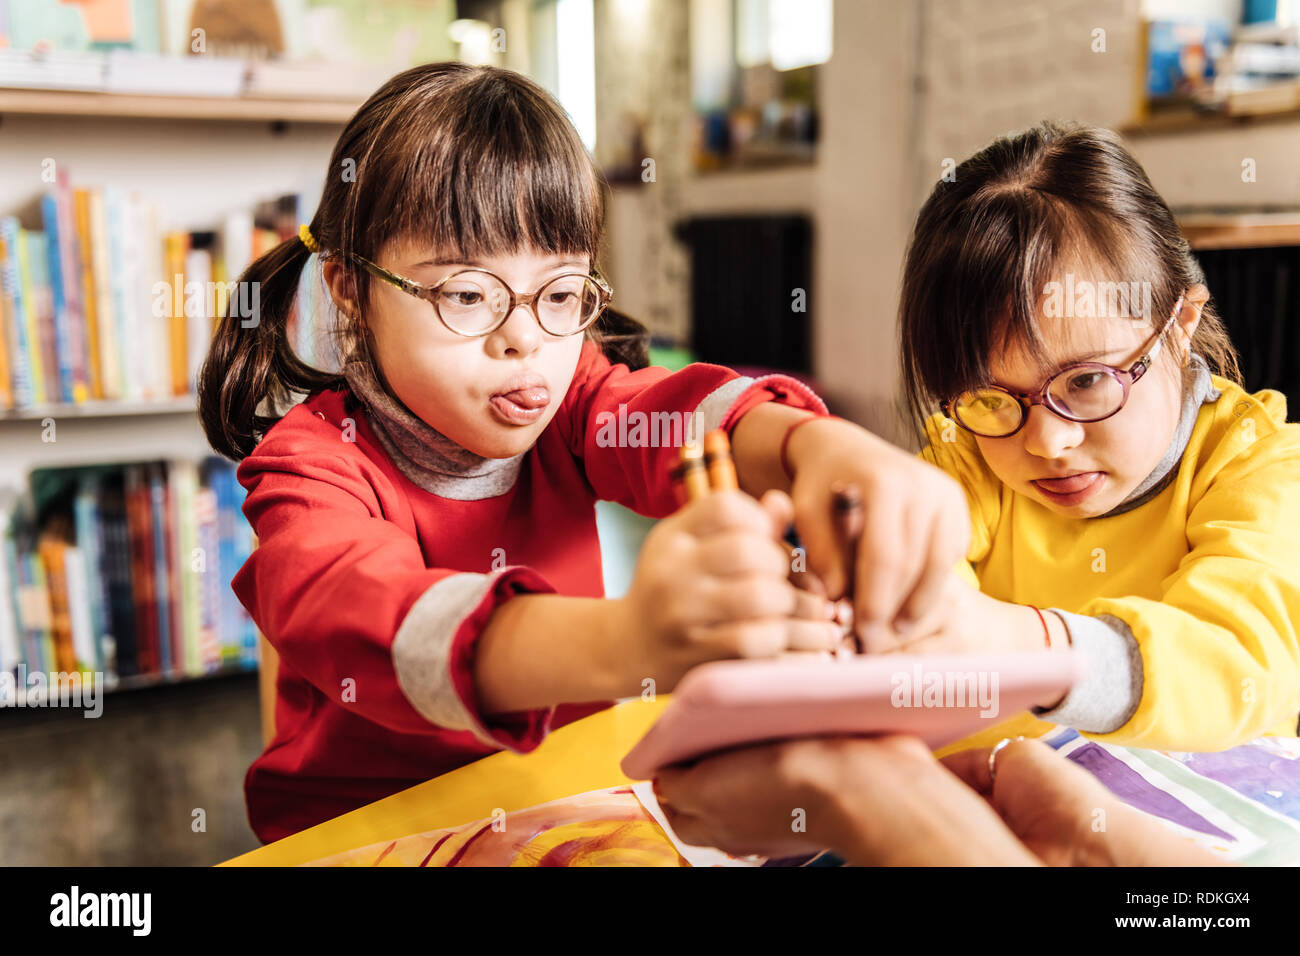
pixel 472 161
pixel 1019 212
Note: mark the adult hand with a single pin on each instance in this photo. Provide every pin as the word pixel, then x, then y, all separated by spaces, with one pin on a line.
pixel 880 801
pixel 1065 815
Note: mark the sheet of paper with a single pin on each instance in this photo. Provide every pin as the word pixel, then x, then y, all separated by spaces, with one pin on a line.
pixel 695 855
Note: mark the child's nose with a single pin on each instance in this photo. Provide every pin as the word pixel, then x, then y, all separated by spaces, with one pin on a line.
pixel 520 335
pixel 1048 436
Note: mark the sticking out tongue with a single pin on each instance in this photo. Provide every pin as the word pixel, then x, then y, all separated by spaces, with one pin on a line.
pixel 527 397
pixel 1068 486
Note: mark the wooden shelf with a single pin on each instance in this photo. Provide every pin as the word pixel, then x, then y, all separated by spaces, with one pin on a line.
pixel 134 682
pixel 214 108
pixel 1188 121
pixel 1243 231
pixel 177 406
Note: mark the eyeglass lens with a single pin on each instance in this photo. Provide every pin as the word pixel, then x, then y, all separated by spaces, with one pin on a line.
pixel 475 303
pixel 1082 393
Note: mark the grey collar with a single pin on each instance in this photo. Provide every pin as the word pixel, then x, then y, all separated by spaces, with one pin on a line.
pixel 1202 391
pixel 430 459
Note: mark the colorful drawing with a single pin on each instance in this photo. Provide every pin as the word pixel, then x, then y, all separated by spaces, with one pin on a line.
pixel 1243 803
pixel 1135 790
pixel 1266 770
pixel 599 828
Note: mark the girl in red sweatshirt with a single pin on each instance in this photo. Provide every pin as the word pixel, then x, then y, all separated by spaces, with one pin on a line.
pixel 427 563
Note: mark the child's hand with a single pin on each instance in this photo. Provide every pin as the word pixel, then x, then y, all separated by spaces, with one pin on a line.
pixel 967 621
pixel 917 525
pixel 712 582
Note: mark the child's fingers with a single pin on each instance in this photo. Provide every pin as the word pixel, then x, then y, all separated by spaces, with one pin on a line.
pixel 730 553
pixel 887 558
pixel 757 638
pixel 877 639
pixel 812 635
pixel 723 511
pixel 909 553
pixel 802 578
pixel 780 509
pixel 812 607
pixel 767 637
pixel 929 586
pixel 749 597
pixel 821 549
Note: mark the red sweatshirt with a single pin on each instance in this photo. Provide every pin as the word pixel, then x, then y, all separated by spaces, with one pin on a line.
pixel 374 591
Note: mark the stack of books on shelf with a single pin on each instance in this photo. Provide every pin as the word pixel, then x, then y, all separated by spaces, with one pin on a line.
pixel 219 48
pixel 98 303
pixel 125 571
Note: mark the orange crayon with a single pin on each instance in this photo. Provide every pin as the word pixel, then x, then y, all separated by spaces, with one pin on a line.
pixel 718 460
pixel 690 476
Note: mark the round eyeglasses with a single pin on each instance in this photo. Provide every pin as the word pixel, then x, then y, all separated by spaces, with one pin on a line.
pixel 475 302
pixel 1085 392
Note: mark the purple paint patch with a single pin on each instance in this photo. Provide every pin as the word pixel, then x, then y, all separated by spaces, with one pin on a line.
pixel 1058 740
pixel 1127 784
pixel 1253 770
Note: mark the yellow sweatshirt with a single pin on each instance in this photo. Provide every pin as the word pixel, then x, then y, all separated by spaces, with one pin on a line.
pixel 1200 583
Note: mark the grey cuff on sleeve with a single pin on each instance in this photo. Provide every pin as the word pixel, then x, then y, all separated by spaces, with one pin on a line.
pixel 422 651
pixel 714 406
pixel 1112 687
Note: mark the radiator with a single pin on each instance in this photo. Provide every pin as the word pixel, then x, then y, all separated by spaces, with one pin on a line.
pixel 751 290
pixel 1257 293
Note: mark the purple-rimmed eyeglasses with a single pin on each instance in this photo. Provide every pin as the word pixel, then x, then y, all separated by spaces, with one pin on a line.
pixel 475 302
pixel 1086 392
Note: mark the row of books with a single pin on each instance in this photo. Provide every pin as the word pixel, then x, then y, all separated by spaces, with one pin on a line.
pixel 99 303
pixel 125 570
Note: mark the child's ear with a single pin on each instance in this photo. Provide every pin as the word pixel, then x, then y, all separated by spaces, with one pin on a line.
pixel 342 285
pixel 1190 317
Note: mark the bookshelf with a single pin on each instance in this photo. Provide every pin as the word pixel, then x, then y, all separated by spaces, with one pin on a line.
pixel 177 406
pixel 124 433
pixel 197 159
pixel 75 103
pixel 135 682
pixel 84 436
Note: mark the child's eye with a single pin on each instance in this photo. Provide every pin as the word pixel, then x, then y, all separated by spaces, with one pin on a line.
pixel 462 297
pixel 1085 381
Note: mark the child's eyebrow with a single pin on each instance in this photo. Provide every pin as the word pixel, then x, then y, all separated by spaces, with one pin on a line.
pixel 476 264
pixel 1089 356
pixel 1083 357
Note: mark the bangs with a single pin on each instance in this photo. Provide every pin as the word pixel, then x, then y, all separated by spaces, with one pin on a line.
pixel 487 165
pixel 979 287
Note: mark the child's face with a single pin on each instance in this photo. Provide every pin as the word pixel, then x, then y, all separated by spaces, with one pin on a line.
pixel 492 395
pixel 1096 465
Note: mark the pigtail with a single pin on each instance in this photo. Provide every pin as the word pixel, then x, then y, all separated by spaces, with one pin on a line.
pixel 622 339
pixel 251 373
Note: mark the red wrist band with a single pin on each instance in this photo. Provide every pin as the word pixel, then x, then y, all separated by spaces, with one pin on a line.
pixel 1047 635
pixel 785 441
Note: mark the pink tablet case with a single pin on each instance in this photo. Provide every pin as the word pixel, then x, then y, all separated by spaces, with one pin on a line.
pixel 939 699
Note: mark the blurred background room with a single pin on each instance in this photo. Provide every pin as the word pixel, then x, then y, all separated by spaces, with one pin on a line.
pixel 765 160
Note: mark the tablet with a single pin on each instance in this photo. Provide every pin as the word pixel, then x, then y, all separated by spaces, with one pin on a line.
pixel 939 699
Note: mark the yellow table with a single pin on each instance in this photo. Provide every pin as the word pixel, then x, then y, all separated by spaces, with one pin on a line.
pixel 584 756
pixel 576 758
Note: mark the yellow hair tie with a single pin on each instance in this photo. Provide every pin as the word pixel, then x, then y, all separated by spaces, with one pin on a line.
pixel 304 233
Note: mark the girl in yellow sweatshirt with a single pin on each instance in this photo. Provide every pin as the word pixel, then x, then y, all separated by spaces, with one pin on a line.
pixel 1128 497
